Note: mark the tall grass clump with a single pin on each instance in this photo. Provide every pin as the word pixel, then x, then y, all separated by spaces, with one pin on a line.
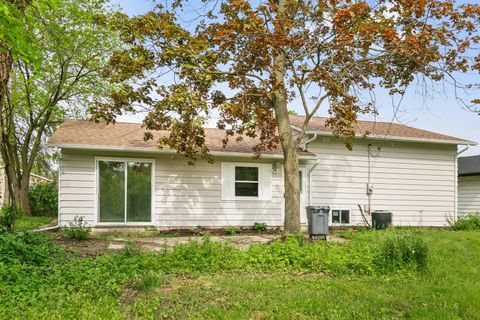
pixel 401 251
pixel 468 222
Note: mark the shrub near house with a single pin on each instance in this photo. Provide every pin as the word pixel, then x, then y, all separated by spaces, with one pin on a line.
pixel 468 222
pixel 43 199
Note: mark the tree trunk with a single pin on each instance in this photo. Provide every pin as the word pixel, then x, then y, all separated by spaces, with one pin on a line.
pixel 24 205
pixel 290 166
pixel 290 162
pixel 18 190
pixel 6 64
pixel 17 195
pixel 292 191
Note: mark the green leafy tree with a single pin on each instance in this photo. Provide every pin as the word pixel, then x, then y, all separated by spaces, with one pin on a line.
pixel 247 60
pixel 74 47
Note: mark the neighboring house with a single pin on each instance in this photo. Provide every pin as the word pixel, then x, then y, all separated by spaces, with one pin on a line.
pixel 469 184
pixel 112 177
pixel 4 194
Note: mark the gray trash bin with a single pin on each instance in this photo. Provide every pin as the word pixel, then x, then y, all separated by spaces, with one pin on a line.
pixel 317 217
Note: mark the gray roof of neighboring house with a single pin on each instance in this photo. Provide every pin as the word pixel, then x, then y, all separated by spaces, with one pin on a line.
pixel 469 166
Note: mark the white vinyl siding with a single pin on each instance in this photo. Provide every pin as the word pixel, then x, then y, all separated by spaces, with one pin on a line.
pixel 468 194
pixel 76 187
pixel 185 196
pixel 192 195
pixel 415 181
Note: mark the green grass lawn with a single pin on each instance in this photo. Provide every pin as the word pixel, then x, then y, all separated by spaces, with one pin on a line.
pixel 278 282
pixel 30 223
pixel 450 289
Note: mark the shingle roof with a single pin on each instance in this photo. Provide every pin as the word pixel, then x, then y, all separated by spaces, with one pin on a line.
pixel 84 133
pixel 383 129
pixel 469 166
pixel 88 134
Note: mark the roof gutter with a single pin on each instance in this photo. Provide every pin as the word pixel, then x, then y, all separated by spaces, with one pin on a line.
pixel 41 177
pixel 167 151
pixel 398 138
pixel 465 149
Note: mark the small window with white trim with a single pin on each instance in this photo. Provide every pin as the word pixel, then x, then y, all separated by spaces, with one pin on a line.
pixel 246 181
pixel 340 216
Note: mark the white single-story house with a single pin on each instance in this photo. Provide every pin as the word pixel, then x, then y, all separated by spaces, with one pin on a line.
pixel 469 184
pixel 112 177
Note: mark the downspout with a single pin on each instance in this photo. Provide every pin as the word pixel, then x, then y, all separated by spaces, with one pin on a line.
pixel 455 212
pixel 310 182
pixel 369 180
pixel 309 140
pixel 310 170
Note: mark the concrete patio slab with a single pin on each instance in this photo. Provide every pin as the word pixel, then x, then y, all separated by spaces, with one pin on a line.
pixel 243 242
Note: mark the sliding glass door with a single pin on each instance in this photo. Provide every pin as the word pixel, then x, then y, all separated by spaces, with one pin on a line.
pixel 139 191
pixel 111 191
pixel 124 191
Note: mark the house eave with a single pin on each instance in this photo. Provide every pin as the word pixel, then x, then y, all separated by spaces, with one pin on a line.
pixel 168 151
pixel 397 138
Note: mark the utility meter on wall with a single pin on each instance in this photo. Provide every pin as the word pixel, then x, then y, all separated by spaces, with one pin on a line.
pixel 369 188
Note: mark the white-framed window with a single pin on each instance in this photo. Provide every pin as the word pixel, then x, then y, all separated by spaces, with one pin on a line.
pixel 340 216
pixel 246 181
pixel 125 190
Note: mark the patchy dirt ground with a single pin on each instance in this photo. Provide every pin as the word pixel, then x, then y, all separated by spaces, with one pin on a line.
pixel 104 241
pixel 96 246
pixel 85 248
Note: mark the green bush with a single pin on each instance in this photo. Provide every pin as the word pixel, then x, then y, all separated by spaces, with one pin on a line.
pixel 6 218
pixel 24 247
pixel 131 249
pixel 201 256
pixel 43 199
pixel 232 231
pixel 259 226
pixel 78 229
pixel 469 222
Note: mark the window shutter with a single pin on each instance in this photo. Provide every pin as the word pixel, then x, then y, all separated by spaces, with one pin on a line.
pixel 228 181
pixel 265 183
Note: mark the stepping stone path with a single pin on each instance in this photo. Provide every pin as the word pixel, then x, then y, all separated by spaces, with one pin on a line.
pixel 243 242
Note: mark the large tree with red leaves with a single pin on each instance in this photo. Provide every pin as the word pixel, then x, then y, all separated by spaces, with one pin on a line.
pixel 245 61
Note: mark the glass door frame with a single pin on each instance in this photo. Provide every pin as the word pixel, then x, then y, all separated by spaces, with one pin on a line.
pixel 97 192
